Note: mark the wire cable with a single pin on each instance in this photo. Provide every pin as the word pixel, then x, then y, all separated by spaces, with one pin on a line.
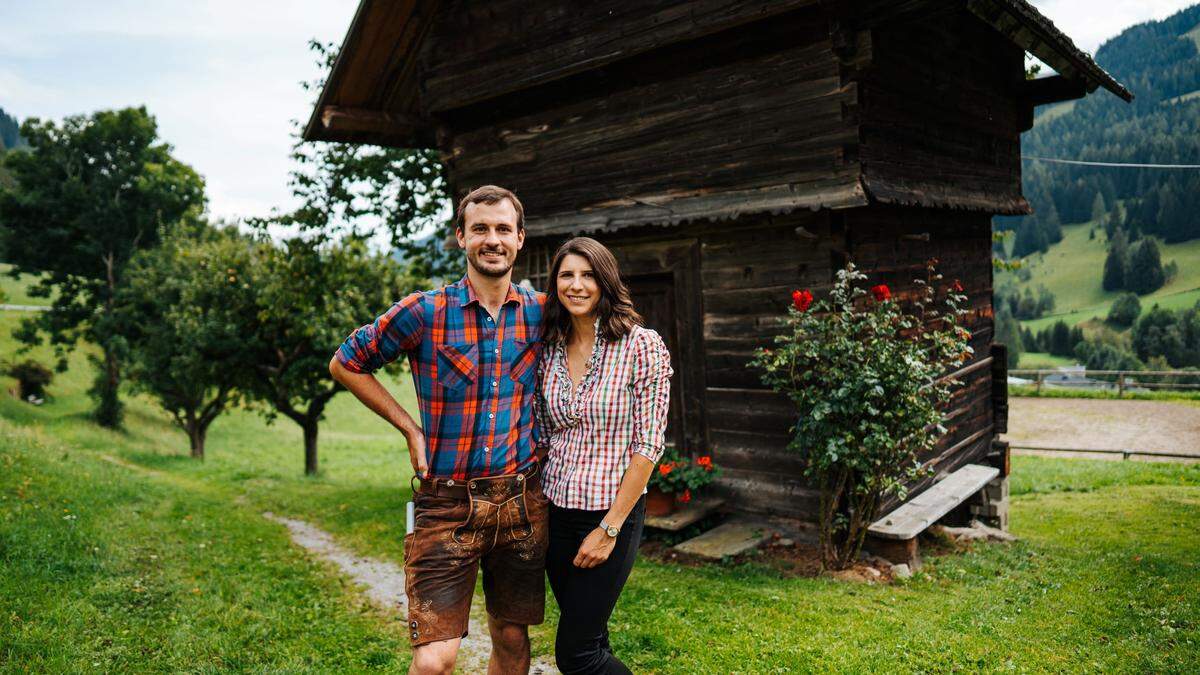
pixel 1113 164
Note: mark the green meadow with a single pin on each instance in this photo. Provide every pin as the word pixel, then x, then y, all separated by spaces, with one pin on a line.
pixel 119 553
pixel 1072 269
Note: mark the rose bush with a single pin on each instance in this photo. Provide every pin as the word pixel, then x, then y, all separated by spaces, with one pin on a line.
pixel 866 373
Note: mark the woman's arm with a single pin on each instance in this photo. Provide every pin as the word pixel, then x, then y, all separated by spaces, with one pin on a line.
pixel 597 546
pixel 651 388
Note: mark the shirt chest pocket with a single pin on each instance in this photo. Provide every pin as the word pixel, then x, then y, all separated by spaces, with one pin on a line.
pixel 523 366
pixel 458 366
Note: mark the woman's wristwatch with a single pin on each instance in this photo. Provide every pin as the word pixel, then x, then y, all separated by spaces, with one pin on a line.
pixel 609 529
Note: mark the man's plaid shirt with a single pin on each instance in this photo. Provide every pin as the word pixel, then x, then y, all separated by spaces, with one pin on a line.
pixel 475 376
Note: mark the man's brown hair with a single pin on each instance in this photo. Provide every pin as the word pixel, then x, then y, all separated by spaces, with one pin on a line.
pixel 489 194
pixel 615 309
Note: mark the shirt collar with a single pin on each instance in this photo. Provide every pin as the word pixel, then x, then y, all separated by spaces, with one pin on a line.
pixel 464 284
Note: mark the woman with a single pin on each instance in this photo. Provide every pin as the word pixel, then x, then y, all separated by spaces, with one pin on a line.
pixel 605 383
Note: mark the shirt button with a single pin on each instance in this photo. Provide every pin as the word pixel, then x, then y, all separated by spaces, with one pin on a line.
pixel 491 416
pixel 486 449
pixel 496 350
pixel 495 383
pixel 489 319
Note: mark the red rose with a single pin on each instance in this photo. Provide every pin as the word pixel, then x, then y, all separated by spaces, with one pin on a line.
pixel 666 468
pixel 705 462
pixel 802 299
pixel 957 286
pixel 881 292
pixel 685 497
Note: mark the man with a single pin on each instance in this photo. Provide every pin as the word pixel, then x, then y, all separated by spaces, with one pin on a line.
pixel 474 347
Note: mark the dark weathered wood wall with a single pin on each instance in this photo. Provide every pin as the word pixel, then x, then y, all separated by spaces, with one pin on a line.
pixel 747 270
pixel 941 113
pixel 762 107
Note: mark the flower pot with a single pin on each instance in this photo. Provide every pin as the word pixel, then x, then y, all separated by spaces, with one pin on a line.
pixel 659 503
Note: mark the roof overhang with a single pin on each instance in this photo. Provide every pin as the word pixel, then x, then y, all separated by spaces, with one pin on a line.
pixel 1021 23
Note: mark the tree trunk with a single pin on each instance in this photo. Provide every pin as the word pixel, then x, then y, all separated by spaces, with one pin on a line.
pixel 196 433
pixel 310 447
pixel 109 409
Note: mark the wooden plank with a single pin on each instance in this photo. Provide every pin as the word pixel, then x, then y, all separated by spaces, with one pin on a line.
pixel 727 540
pixel 538 42
pixel 689 514
pixel 926 508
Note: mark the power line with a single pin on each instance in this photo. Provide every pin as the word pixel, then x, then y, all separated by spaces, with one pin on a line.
pixel 1116 164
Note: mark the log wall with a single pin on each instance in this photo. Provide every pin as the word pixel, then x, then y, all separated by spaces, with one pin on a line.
pixel 747 270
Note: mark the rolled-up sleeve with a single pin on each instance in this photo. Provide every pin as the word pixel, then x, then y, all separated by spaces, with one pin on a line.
pixel 651 387
pixel 382 341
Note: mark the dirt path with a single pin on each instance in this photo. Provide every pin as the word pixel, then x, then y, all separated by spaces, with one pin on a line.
pixel 1155 426
pixel 383 582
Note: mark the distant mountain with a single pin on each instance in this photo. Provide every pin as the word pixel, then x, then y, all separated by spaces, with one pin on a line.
pixel 10 131
pixel 1159 62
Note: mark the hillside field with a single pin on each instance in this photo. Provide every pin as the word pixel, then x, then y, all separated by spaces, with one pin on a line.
pixel 1072 270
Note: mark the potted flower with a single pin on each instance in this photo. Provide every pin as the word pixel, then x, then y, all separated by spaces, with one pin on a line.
pixel 675 480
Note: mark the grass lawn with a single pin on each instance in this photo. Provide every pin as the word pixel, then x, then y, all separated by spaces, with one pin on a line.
pixel 15 291
pixel 1072 268
pixel 1043 360
pixel 107 569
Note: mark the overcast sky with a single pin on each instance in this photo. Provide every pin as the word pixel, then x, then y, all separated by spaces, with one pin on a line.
pixel 222 76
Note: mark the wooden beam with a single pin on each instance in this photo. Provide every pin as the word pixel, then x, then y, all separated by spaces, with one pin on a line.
pixel 341 119
pixel 1052 89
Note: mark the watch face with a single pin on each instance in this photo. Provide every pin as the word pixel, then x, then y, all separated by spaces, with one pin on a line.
pixel 612 531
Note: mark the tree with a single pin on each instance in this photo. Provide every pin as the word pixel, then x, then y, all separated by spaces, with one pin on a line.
pixel 1099 208
pixel 180 309
pixel 361 190
pixel 88 195
pixel 1101 356
pixel 1114 264
pixel 1008 333
pixel 1060 339
pixel 1125 310
pixel 1030 239
pixel 309 295
pixel 1174 336
pixel 1144 271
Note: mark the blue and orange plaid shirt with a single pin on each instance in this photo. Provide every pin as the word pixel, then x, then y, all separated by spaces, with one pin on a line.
pixel 475 376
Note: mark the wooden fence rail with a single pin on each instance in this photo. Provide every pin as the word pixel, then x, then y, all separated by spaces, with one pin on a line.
pixel 1125 379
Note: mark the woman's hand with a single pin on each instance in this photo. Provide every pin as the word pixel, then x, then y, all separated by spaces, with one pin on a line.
pixel 595 549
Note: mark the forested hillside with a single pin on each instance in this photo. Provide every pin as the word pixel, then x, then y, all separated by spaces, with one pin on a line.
pixel 1160 63
pixel 9 131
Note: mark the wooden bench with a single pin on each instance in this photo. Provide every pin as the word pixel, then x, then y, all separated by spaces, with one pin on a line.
pixel 894 536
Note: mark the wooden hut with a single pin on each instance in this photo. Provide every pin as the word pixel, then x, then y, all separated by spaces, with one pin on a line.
pixel 729 152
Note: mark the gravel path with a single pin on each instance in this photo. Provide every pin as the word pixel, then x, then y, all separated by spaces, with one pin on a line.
pixel 1156 426
pixel 383 582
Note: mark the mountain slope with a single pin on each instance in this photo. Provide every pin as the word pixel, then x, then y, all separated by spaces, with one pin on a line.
pixel 1160 63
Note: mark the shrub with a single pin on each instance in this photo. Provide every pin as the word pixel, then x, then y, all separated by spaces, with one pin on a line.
pixel 32 378
pixel 1125 310
pixel 865 374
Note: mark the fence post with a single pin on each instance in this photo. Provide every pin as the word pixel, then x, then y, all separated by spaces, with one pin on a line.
pixel 1040 375
pixel 1121 385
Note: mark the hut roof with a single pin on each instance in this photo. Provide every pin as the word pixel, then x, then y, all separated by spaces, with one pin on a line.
pixel 373 94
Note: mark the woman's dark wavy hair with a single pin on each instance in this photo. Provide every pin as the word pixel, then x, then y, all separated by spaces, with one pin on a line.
pixel 615 308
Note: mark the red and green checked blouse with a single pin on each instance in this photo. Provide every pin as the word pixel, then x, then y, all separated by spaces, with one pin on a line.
pixel 475 376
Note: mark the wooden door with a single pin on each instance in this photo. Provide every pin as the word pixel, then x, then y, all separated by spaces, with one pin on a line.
pixel 654 298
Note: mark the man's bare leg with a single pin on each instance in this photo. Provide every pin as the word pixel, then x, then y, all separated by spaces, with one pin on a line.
pixel 510 647
pixel 435 658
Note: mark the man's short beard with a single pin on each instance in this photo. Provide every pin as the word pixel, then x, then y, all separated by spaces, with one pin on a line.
pixel 486 272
